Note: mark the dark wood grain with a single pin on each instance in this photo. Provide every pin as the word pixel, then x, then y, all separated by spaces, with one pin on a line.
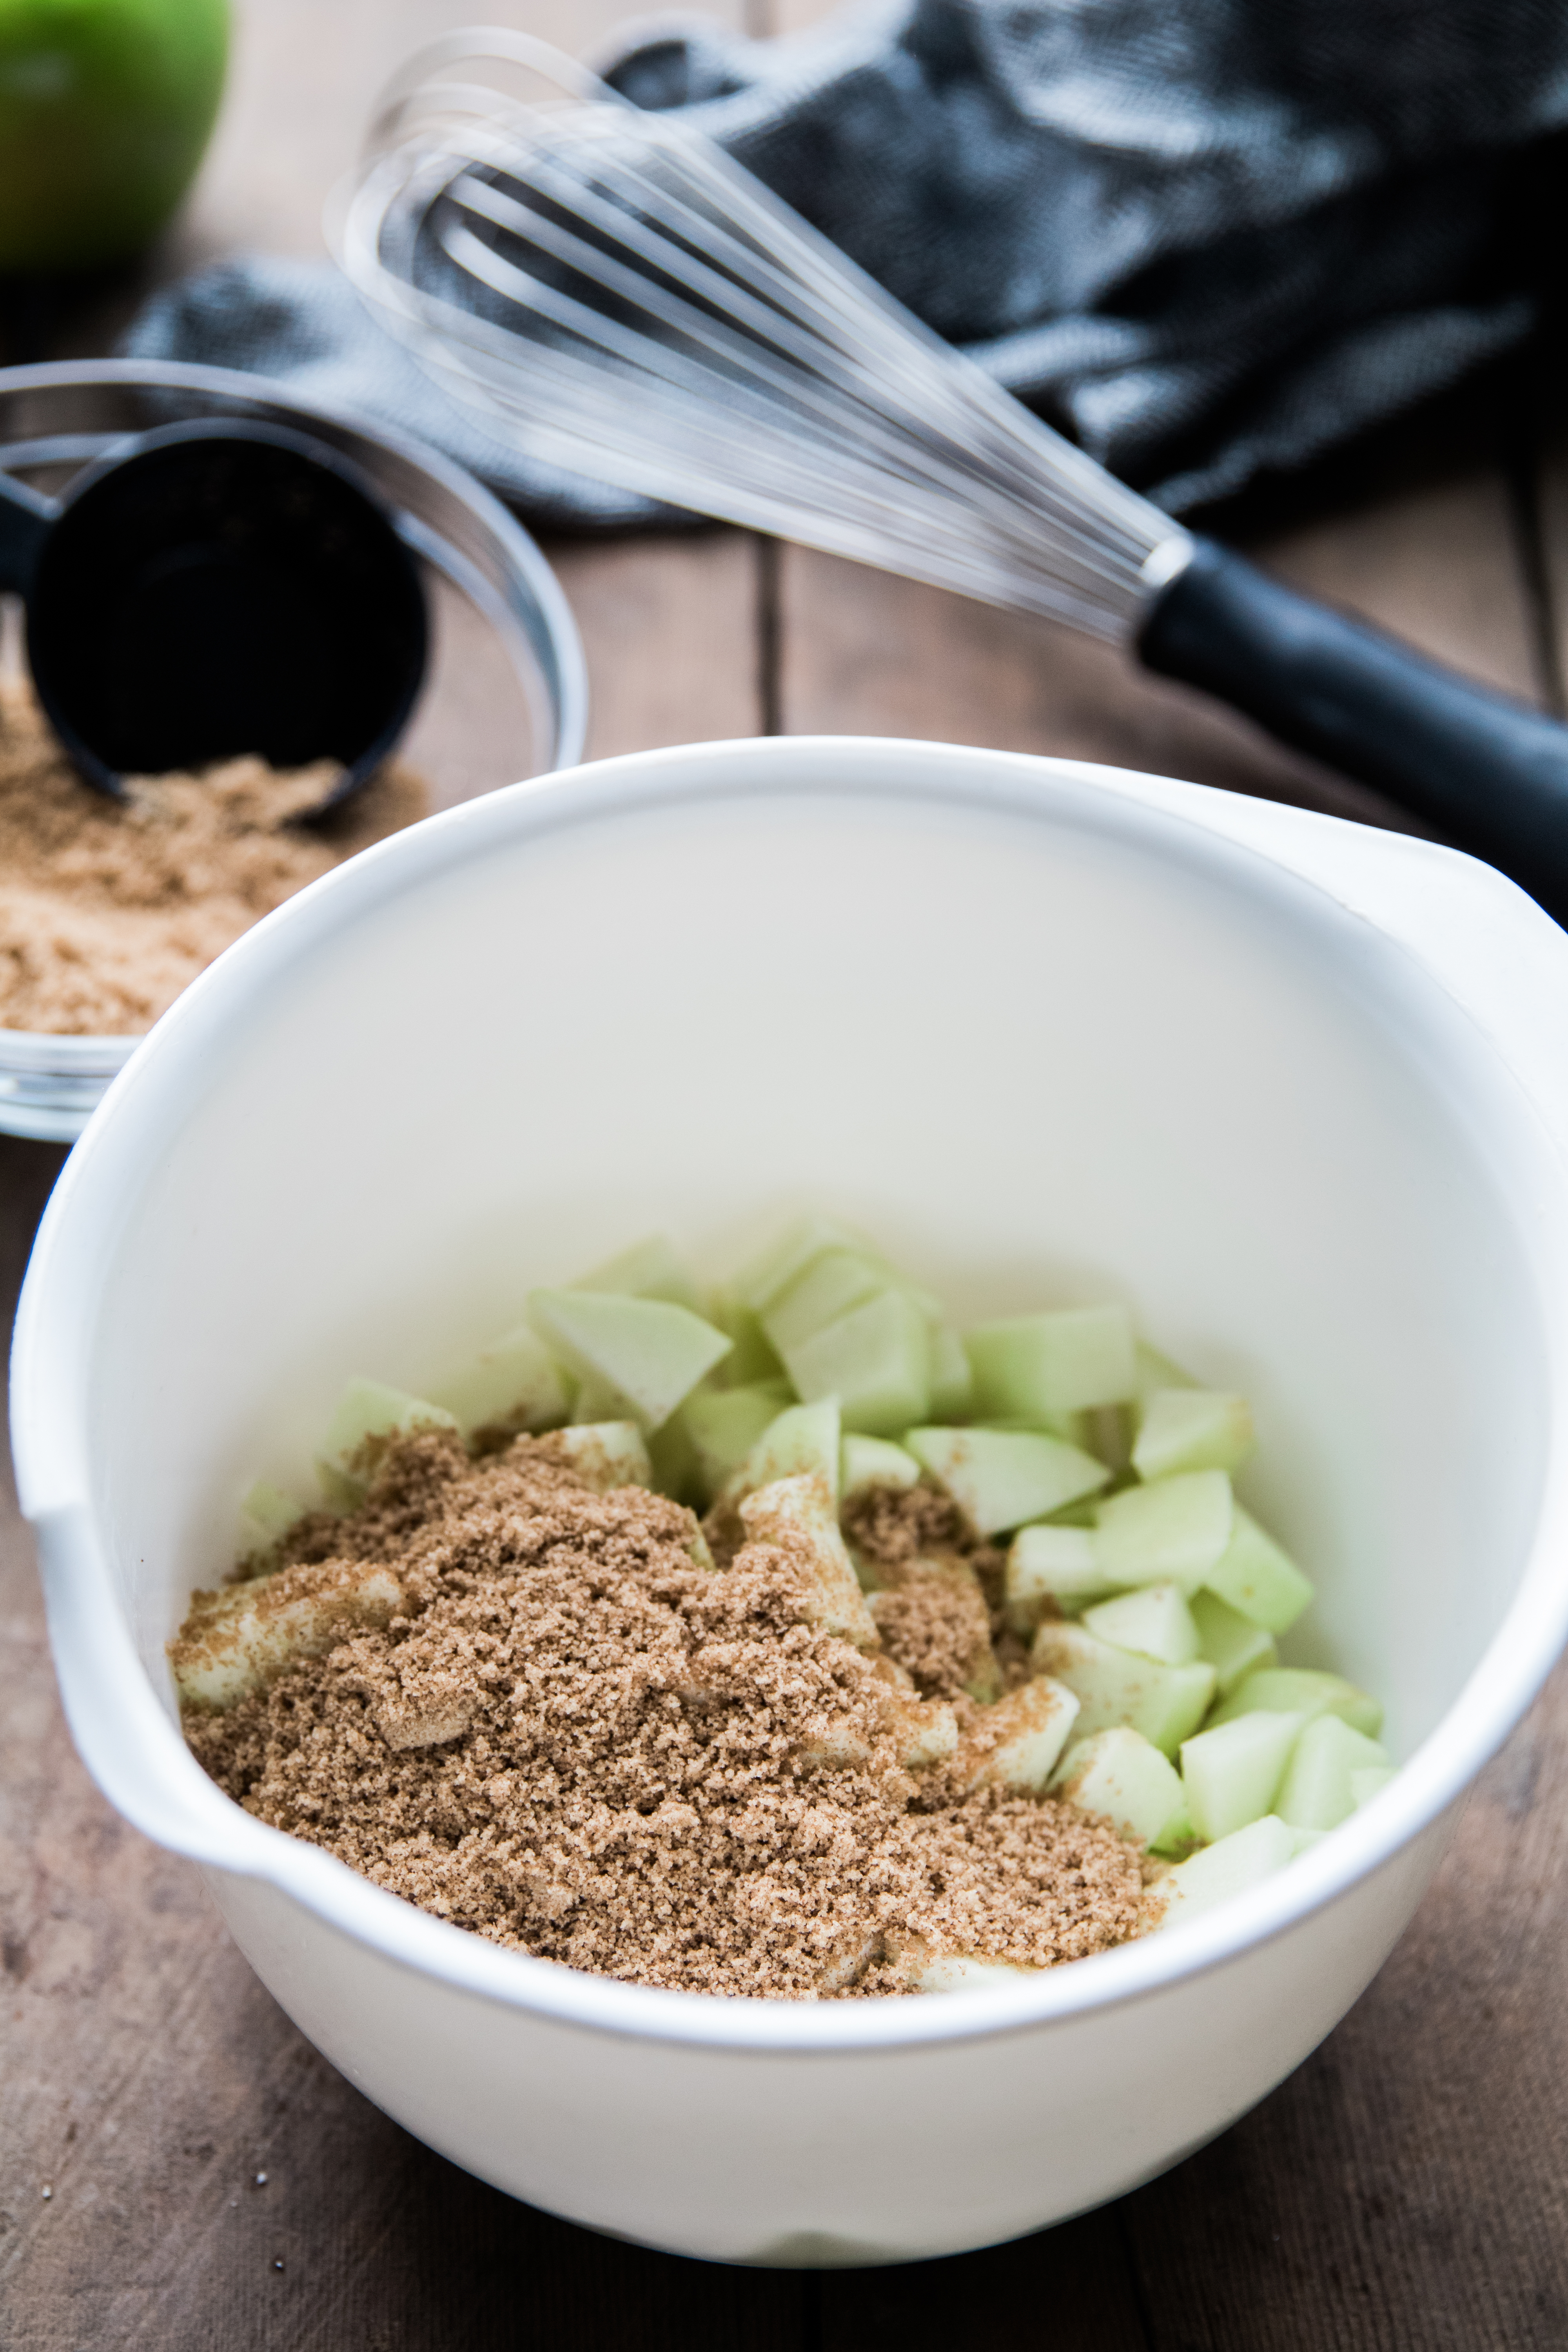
pixel 1406 2191
pixel 1408 2188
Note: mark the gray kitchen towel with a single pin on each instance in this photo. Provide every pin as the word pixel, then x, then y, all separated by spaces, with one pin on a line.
pixel 1212 239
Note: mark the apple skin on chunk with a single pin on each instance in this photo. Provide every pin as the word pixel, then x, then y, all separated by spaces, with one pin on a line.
pixel 1033 1368
pixel 650 1353
pixel 1166 1704
pixel 1000 1477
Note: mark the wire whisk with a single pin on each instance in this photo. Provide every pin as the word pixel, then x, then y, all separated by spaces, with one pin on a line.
pixel 622 299
pixel 618 296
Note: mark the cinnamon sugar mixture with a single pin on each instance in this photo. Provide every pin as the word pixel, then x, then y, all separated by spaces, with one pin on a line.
pixel 108 908
pixel 576 1741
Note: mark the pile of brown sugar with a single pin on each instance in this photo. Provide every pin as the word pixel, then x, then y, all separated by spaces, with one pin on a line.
pixel 108 908
pixel 576 1741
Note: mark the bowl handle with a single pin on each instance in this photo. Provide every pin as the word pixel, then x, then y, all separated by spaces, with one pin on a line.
pixel 133 1751
pixel 1487 945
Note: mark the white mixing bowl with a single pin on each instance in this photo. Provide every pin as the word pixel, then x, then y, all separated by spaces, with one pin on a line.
pixel 1297 1090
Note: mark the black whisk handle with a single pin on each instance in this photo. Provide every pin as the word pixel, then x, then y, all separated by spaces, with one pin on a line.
pixel 1489 775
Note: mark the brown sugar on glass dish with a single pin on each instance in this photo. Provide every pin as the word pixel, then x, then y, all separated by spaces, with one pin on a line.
pixel 110 907
pixel 916 1706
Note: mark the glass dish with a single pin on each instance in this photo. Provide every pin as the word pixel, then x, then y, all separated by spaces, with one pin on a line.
pixel 506 692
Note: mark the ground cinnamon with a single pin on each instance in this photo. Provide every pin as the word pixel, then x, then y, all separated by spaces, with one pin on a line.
pixel 108 908
pixel 578 1742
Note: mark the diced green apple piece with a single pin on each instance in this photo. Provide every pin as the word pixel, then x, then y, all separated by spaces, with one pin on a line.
pixel 368 1408
pixel 1365 1782
pixel 265 1515
pixel 967 1973
pixel 1258 1579
pixel 1029 1367
pixel 952 1381
pixel 1155 1621
pixel 752 1358
pixel 514 1384
pixel 1302 1690
pixel 1316 1792
pixel 926 1729
pixel 1237 1863
pixel 724 1425
pixel 239 1639
pixel 798 1515
pixel 1166 1704
pixel 866 1461
pixel 1192 1429
pixel 1234 1647
pixel 1155 1370
pixel 1017 1742
pixel 1173 1532
pixel 1053 1564
pixel 652 1354
pixel 1123 1777
pixel 595 1398
pixel 827 1286
pixel 876 1360
pixel 1232 1773
pixel 673 1466
pixel 605 1454
pixel 999 1479
pixel 650 1269
pixel 803 1439
pixel 762 1279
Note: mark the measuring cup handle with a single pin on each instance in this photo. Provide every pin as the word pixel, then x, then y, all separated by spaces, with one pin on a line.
pixel 25 517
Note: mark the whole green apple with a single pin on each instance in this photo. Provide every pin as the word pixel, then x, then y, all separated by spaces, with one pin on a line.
pixel 105 109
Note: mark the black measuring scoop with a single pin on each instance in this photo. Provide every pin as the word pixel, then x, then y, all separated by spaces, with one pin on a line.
pixel 208 590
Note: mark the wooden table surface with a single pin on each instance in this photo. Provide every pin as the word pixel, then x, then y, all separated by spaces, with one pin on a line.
pixel 179 2169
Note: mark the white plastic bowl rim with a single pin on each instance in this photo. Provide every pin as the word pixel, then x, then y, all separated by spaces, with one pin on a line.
pixel 1407 890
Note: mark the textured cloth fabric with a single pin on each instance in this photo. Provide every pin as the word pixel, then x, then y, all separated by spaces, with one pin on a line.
pixel 1210 238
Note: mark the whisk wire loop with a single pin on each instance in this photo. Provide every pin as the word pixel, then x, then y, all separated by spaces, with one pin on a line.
pixel 620 297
